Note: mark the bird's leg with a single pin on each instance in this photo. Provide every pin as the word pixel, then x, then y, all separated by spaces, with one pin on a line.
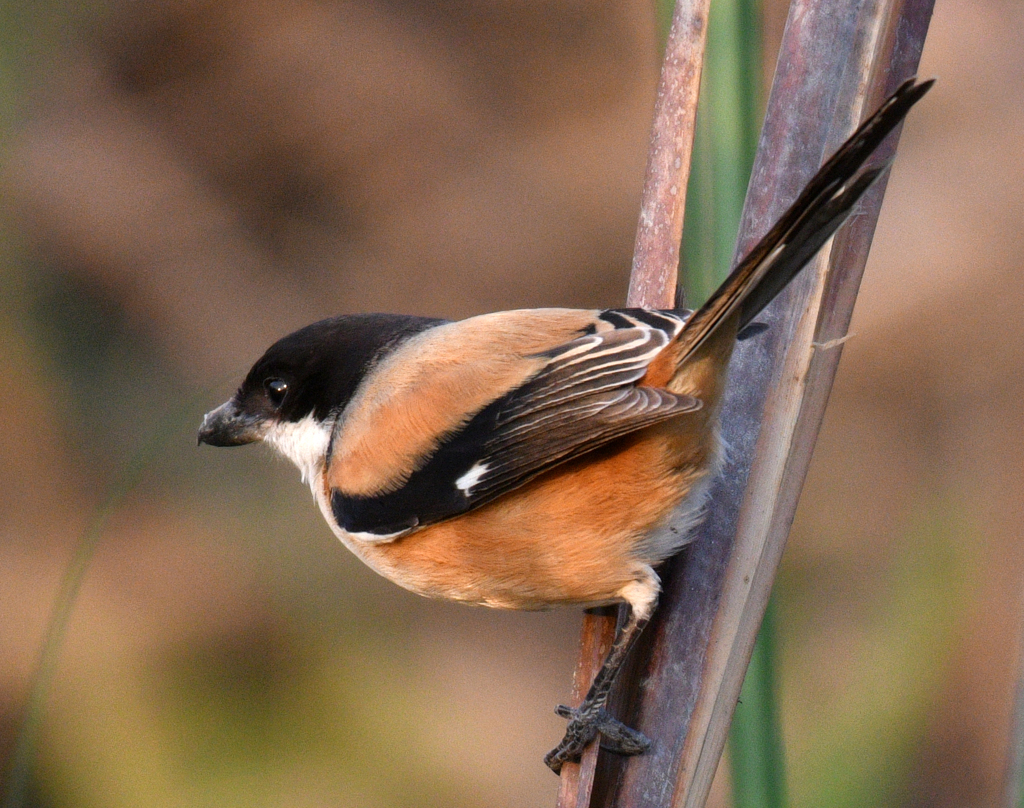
pixel 591 717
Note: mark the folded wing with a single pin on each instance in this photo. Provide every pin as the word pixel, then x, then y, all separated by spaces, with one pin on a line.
pixel 584 395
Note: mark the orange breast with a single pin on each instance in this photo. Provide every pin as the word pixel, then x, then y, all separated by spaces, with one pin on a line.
pixel 574 535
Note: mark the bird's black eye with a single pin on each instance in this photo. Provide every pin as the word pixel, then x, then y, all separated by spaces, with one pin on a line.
pixel 276 390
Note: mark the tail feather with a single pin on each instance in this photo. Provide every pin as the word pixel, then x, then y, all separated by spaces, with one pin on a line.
pixel 822 207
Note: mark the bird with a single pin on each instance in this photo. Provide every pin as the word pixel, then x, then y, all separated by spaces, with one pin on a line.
pixel 533 458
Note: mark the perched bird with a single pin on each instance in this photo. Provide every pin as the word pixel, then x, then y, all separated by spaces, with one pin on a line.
pixel 534 458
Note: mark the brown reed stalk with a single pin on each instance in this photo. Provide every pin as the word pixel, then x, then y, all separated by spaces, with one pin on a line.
pixel 839 59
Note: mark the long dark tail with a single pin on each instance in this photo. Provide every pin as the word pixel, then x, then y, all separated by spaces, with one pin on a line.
pixel 825 203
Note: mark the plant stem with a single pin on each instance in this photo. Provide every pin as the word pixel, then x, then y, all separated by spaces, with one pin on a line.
pixel 728 120
pixel 20 770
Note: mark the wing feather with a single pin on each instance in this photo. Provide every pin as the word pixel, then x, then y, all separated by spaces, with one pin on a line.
pixel 584 395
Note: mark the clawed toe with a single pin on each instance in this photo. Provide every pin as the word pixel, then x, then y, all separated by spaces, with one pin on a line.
pixel 617 737
pixel 579 732
pixel 584 725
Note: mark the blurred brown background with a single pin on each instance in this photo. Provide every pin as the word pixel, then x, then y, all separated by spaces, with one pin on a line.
pixel 184 181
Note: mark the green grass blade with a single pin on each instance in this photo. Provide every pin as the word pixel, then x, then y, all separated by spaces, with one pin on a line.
pixel 755 742
pixel 728 122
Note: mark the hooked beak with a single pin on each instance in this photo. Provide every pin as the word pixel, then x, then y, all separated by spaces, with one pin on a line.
pixel 229 426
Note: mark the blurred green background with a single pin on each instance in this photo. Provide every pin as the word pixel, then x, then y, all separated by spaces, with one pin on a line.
pixel 183 181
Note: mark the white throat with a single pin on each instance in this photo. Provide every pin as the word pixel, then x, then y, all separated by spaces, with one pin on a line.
pixel 303 442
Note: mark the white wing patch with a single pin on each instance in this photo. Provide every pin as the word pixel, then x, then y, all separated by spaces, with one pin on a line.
pixel 466 482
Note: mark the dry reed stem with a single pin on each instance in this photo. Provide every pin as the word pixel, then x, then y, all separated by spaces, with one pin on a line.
pixel 839 58
pixel 652 285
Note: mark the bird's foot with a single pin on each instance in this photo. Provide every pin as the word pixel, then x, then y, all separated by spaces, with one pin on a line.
pixel 585 723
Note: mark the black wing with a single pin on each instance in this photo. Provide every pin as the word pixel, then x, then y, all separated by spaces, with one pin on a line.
pixel 585 396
